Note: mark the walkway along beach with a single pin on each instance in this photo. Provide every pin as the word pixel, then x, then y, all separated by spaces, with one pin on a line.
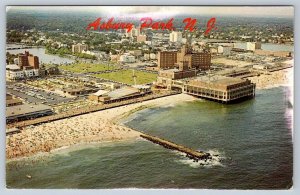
pixel 88 128
pixel 99 126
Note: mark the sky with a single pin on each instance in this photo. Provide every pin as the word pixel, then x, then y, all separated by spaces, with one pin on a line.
pixel 138 11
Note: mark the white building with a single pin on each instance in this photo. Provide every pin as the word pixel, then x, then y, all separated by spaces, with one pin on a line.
pixel 127 58
pixel 152 56
pixel 31 73
pixel 176 37
pixel 225 50
pixel 146 56
pixel 13 72
pixel 16 60
pixel 252 46
pixel 136 32
pixel 133 33
pixel 88 52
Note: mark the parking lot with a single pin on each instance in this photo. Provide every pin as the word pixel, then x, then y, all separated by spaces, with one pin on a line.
pixel 36 95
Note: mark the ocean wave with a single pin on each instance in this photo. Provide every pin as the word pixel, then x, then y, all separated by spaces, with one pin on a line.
pixel 216 160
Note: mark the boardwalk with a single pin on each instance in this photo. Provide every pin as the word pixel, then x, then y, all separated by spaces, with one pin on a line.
pixel 86 110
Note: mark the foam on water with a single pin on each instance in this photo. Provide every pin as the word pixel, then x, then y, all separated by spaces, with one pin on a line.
pixel 170 105
pixel 216 160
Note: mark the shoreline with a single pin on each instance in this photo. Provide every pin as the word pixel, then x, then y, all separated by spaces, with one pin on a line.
pixel 274 79
pixel 99 127
pixel 105 125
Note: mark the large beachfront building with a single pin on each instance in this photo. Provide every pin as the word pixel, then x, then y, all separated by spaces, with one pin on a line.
pixel 171 59
pixel 26 111
pixel 121 94
pixel 220 88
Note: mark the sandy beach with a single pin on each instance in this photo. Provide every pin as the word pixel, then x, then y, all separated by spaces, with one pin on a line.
pixel 277 78
pixel 103 126
pixel 89 128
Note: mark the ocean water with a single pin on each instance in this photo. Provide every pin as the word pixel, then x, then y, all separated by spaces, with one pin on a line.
pixel 251 141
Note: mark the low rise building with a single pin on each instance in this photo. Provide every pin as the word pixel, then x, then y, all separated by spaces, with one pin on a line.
pixel 97 97
pixel 273 53
pixel 141 38
pixel 30 72
pixel 220 88
pixel 236 72
pixel 79 91
pixel 136 52
pixel 13 102
pixel 252 46
pixel 127 58
pixel 26 112
pixel 120 94
pixel 13 72
pixel 225 50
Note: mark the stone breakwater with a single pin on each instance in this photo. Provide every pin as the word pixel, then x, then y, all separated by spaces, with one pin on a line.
pixel 99 126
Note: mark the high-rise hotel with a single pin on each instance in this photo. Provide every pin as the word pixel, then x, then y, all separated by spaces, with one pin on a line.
pixel 195 60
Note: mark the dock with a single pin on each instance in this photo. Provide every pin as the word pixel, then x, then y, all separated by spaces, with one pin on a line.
pixel 190 153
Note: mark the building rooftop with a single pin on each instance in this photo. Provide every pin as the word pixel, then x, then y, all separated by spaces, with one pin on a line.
pixel 12 67
pixel 217 79
pixel 141 86
pixel 230 71
pixel 122 92
pixel 25 109
pixel 100 92
pixel 13 101
pixel 77 89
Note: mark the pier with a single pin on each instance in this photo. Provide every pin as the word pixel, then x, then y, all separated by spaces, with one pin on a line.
pixel 190 153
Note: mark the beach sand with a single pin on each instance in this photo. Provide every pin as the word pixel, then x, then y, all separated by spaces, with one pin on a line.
pixel 94 127
pixel 103 126
pixel 277 78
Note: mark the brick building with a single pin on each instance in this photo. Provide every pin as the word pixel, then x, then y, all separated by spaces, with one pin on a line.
pixel 195 60
pixel 27 59
pixel 167 59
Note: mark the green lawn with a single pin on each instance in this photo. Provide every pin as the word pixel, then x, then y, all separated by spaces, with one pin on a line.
pixel 125 76
pixel 83 68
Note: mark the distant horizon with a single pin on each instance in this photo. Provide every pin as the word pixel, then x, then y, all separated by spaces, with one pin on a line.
pixel 166 11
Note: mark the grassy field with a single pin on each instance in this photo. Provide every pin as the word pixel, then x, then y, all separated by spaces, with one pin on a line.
pixel 83 68
pixel 125 76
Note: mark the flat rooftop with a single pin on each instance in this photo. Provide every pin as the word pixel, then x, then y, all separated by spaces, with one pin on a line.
pixel 13 101
pixel 25 109
pixel 217 79
pixel 122 92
